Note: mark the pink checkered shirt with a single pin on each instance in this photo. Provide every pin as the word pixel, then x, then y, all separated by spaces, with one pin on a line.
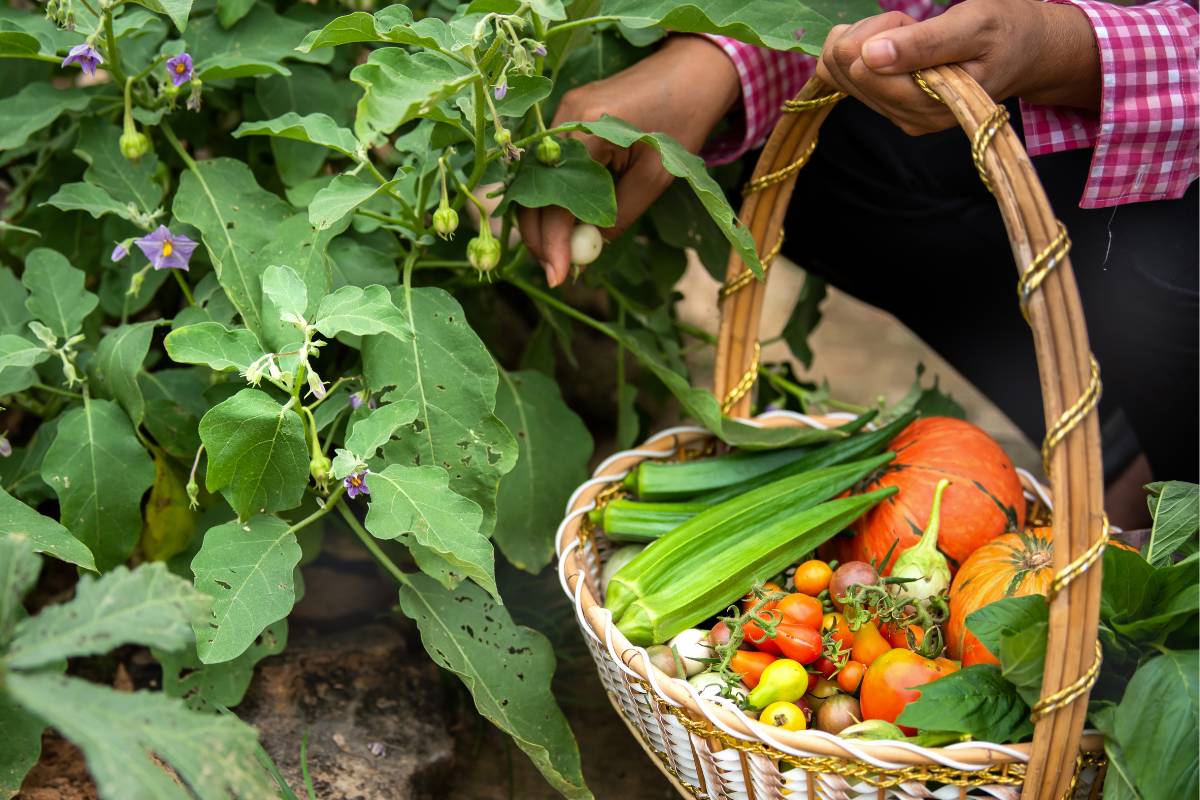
pixel 1145 137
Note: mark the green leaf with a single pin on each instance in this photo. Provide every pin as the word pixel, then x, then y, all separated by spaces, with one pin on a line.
pixel 418 502
pixel 248 571
pixel 399 87
pixel 147 606
pixel 554 448
pixel 576 183
pixel 213 345
pixel 774 24
pixel 118 362
pixel 263 36
pixel 313 92
pixel 18 521
pixel 228 66
pixel 13 313
pixel 20 745
pixel 1144 603
pixel 806 314
pixel 975 700
pixel 215 687
pixel 361 312
pixel 393 24
pixel 99 471
pixel 1118 783
pixel 302 248
pixel 56 294
pixel 444 367
pixel 125 735
pixel 19 569
pixel 90 198
pixel 283 289
pixel 1155 723
pixel 506 667
pixel 680 220
pixel 343 194
pixel 236 219
pixel 1009 615
pixel 1175 507
pixel 18 44
pixel 682 164
pixel 1022 657
pixel 17 357
pixel 373 431
pixel 123 180
pixel 313 128
pixel 229 12
pixel 177 10
pixel 34 107
pixel 257 457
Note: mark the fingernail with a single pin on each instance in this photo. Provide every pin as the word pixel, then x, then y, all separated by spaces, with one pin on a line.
pixel 879 53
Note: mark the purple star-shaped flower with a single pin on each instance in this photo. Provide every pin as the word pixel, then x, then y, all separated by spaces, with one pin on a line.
pixel 356 484
pixel 166 250
pixel 180 68
pixel 86 57
pixel 119 252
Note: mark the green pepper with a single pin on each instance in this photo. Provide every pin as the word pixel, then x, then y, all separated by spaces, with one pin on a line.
pixel 784 680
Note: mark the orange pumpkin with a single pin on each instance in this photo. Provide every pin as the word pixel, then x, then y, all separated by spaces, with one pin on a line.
pixel 984 498
pixel 1012 565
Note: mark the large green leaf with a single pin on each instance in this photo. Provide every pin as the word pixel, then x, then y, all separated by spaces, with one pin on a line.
pixel 18 355
pixel 1156 724
pixel 126 736
pixel 394 24
pixel 341 197
pixel 213 687
pixel 301 247
pixel 18 520
pixel 88 197
pixel 248 571
pixel 975 700
pixel 19 569
pixel 418 502
pixel 118 362
pixel 361 312
pixel 554 448
pixel 310 92
pixel 805 316
pixel 213 345
pixel 177 10
pixel 13 313
pixel 1175 506
pixel 147 606
pixel 373 431
pixel 99 471
pixel 506 667
pixel 257 457
pixel 229 12
pixel 284 293
pixel 313 128
pixel 123 180
pixel 399 86
pixel 262 36
pixel 447 371
pixel 776 24
pixel 577 183
pixel 236 219
pixel 20 745
pixel 33 108
pixel 56 294
pixel 682 164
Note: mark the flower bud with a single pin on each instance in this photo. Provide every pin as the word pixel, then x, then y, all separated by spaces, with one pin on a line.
pixel 483 252
pixel 193 493
pixel 445 221
pixel 319 469
pixel 134 145
pixel 502 137
pixel 549 151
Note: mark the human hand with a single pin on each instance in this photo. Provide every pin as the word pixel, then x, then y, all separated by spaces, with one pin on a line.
pixel 1043 52
pixel 683 89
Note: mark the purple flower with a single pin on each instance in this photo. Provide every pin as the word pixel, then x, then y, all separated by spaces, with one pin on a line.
pixel 120 251
pixel 180 68
pixel 5 446
pixel 166 250
pixel 540 51
pixel 356 484
pixel 86 57
pixel 356 400
pixel 502 88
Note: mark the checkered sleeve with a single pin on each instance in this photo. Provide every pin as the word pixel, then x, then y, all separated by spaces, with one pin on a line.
pixel 1146 135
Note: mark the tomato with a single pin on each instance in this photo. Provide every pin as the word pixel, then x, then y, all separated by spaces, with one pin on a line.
pixel 750 665
pixel 836 623
pixel 756 637
pixel 749 600
pixel 890 682
pixel 798 642
pixel 801 609
pixel 812 577
pixel 788 716
pixel 825 667
pixel 851 676
pixel 869 644
pixel 897 637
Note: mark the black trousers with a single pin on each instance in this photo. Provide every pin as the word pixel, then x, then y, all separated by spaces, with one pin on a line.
pixel 905 224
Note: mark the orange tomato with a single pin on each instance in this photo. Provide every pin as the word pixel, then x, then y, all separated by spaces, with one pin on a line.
pixel 750 665
pixel 851 676
pixel 897 637
pixel 801 609
pixel 889 684
pixel 798 642
pixel 840 629
pixel 869 644
pixel 755 636
pixel 749 600
pixel 812 577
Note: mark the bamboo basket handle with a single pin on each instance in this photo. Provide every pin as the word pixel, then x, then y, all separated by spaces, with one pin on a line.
pixel 1069 375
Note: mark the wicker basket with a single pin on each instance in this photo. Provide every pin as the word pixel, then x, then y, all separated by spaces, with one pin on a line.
pixel 709 748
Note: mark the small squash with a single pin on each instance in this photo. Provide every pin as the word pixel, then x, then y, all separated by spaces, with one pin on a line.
pixel 1012 565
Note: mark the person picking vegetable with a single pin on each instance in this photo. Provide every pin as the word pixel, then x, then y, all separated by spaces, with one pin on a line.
pixel 1109 101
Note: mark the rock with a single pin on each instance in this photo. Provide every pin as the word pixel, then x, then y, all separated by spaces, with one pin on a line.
pixel 375 711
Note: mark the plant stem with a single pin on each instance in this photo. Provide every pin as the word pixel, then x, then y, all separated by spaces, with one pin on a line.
pixel 56 390
pixel 569 127
pixel 333 501
pixel 695 332
pixel 559 305
pixel 173 140
pixel 114 55
pixel 372 546
pixel 183 287
pixel 481 155
pixel 579 23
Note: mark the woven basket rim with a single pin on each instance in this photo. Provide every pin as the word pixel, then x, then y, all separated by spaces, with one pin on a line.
pixel 673 693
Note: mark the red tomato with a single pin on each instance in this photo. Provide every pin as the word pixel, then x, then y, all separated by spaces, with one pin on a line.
pixel 812 577
pixel 800 609
pixel 798 642
pixel 750 665
pixel 749 600
pixel 825 667
pixel 889 683
pixel 851 676
pixel 757 637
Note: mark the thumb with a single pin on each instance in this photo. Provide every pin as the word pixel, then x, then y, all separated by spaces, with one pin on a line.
pixel 945 39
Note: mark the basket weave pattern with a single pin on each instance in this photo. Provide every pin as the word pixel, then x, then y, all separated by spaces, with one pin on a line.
pixel 708 747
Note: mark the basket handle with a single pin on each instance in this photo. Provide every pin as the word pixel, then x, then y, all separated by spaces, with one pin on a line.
pixel 1069 376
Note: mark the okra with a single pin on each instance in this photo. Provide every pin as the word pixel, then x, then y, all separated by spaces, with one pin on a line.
pixel 692 598
pixel 698 545
pixel 625 520
pixel 655 480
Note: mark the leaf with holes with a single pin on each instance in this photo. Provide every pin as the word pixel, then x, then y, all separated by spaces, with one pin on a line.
pixel 18 520
pixel 215 687
pixel 361 312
